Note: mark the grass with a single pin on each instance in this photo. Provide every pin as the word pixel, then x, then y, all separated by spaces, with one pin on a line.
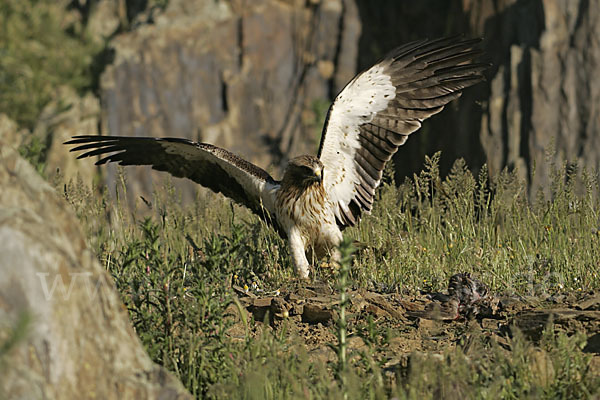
pixel 556 369
pixel 46 44
pixel 42 47
pixel 430 228
pixel 174 266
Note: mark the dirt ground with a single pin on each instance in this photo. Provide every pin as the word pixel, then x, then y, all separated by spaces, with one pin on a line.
pixel 426 322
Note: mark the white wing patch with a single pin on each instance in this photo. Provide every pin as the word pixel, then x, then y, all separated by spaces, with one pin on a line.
pixel 365 96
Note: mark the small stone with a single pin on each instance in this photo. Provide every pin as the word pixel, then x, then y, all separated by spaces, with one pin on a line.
pixel 262 302
pixel 317 313
pixel 592 303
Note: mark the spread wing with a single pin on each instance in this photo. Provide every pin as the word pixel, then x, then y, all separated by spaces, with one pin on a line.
pixel 208 165
pixel 374 114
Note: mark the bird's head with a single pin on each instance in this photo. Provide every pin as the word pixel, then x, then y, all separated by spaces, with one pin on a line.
pixel 305 170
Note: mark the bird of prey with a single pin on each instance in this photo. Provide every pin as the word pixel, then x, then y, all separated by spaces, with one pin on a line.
pixel 319 196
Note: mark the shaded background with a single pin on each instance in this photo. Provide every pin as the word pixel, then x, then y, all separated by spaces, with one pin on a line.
pixel 257 76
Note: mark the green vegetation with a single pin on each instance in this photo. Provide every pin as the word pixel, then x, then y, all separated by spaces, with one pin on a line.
pixel 430 229
pixel 556 369
pixel 46 45
pixel 13 331
pixel 176 265
pixel 42 46
pixel 34 150
pixel 10 336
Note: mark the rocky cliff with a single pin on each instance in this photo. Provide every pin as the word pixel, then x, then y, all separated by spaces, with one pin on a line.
pixel 545 86
pixel 543 89
pixel 248 76
pixel 64 333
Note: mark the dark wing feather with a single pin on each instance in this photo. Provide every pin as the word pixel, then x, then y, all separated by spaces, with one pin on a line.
pixel 374 114
pixel 210 166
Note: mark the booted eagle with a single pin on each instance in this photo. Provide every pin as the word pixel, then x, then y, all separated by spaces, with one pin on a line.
pixel 319 196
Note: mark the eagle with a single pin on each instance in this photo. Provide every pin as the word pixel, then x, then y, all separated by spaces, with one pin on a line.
pixel 318 196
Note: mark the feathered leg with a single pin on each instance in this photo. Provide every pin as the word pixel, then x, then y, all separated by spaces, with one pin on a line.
pixel 298 252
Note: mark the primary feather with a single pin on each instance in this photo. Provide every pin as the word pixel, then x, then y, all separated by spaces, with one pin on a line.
pixel 210 166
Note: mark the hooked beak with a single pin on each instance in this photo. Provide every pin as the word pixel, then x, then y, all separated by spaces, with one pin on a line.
pixel 318 175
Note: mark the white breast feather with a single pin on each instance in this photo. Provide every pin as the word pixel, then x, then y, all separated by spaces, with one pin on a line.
pixel 310 213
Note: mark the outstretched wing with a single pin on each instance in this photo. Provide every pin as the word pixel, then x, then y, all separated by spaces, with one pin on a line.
pixel 380 107
pixel 208 165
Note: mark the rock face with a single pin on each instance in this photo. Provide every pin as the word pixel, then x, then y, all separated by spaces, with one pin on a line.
pixel 390 23
pixel 543 86
pixel 10 135
pixel 78 342
pixel 241 75
pixel 65 116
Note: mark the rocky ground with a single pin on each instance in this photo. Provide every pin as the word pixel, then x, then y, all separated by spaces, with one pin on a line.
pixel 424 322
